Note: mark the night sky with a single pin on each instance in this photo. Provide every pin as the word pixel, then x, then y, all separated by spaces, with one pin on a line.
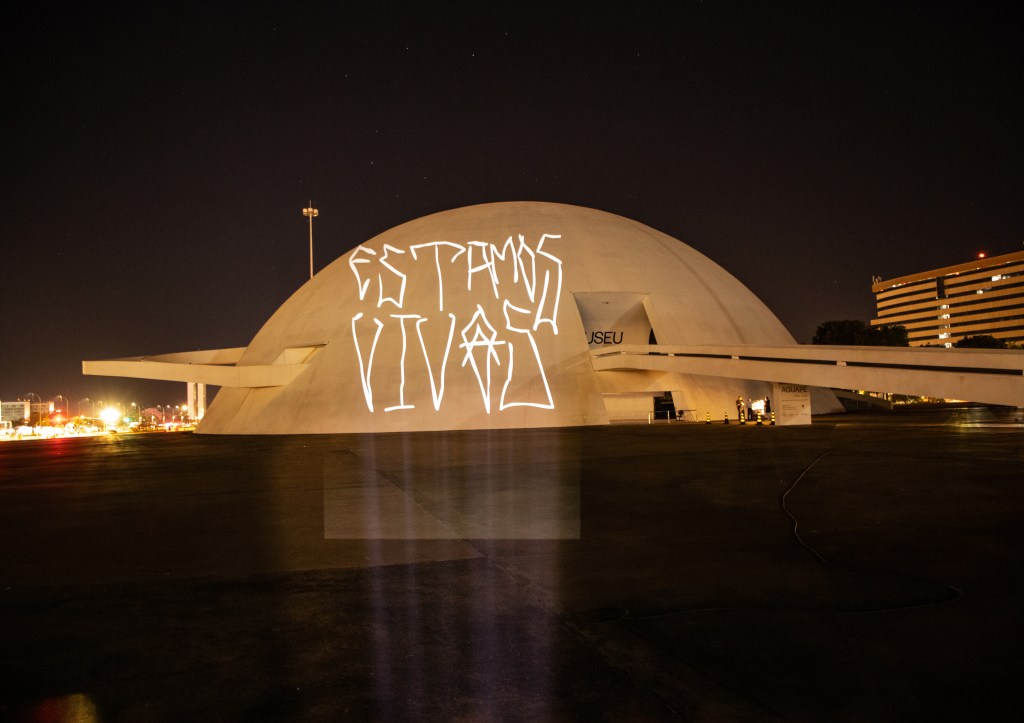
pixel 157 156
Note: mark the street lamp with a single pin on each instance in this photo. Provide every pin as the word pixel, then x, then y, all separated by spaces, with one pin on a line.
pixel 67 407
pixel 310 213
pixel 33 394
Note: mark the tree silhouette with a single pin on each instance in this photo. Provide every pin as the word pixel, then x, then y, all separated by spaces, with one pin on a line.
pixel 854 332
pixel 981 341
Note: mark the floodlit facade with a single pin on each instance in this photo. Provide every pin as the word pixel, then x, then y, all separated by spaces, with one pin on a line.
pixel 942 306
pixel 528 314
pixel 483 317
pixel 14 411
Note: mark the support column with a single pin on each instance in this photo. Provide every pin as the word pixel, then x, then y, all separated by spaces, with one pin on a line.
pixel 200 400
pixel 190 401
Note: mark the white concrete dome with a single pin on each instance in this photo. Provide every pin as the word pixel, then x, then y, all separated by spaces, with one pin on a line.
pixel 483 317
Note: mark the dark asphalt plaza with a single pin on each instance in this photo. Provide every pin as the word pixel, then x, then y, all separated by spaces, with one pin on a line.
pixel 865 568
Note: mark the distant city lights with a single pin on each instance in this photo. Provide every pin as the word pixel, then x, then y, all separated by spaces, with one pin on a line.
pixel 110 416
pixel 113 418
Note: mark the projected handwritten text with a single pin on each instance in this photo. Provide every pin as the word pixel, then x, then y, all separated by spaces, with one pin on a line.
pixel 486 303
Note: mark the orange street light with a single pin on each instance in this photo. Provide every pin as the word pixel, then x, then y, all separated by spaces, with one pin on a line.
pixel 310 213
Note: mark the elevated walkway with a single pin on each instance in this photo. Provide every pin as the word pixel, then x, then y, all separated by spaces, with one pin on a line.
pixel 217 367
pixel 991 376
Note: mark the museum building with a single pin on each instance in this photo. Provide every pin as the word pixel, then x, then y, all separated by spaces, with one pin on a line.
pixel 529 314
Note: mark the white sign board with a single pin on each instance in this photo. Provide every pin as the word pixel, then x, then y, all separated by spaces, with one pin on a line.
pixel 792 404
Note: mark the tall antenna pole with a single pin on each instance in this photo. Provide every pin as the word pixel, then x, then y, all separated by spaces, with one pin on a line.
pixel 310 213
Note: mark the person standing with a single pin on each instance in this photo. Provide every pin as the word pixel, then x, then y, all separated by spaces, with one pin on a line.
pixel 739 407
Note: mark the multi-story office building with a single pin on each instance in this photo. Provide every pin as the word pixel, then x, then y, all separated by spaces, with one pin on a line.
pixel 940 307
pixel 14 411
